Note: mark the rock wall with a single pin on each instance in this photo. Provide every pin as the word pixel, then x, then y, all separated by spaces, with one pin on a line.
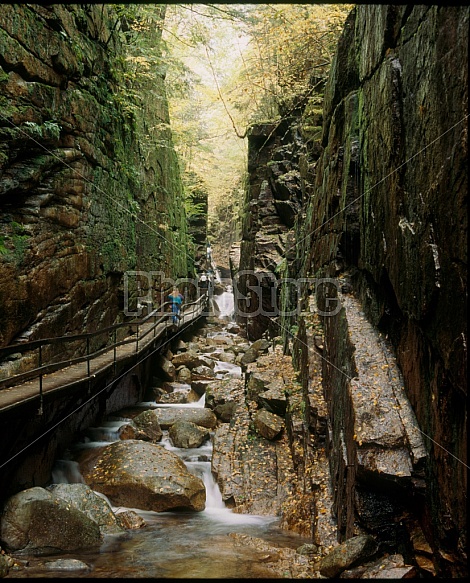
pixel 275 192
pixel 197 201
pixel 388 220
pixel 89 181
pixel 375 202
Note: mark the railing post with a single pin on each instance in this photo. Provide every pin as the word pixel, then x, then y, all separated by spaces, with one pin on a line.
pixel 88 354
pixel 137 339
pixel 41 410
pixel 114 342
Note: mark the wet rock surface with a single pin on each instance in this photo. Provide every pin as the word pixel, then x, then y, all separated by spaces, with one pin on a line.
pixel 278 468
pixel 138 474
pixel 86 500
pixel 187 435
pixel 37 522
pixel 144 426
pixel 199 416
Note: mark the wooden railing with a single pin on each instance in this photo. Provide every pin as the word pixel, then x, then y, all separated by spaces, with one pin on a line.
pixel 138 329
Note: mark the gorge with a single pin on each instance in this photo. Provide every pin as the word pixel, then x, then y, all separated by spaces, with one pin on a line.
pixel 351 255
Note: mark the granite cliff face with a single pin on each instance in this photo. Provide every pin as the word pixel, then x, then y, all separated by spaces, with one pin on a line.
pixel 380 210
pixel 89 181
pixel 367 191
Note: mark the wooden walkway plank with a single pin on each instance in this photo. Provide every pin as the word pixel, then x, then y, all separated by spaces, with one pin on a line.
pixel 11 396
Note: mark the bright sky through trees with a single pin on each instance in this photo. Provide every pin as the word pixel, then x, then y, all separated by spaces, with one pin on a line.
pixel 232 65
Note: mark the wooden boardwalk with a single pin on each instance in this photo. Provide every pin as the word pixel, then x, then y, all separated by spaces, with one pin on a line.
pixel 145 335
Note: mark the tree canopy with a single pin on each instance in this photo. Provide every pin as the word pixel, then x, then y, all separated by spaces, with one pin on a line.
pixel 225 67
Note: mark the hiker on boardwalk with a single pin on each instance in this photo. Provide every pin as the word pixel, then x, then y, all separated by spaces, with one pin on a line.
pixel 176 299
pixel 203 283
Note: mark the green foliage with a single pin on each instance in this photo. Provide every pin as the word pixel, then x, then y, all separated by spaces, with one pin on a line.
pixel 49 129
pixel 194 209
pixel 52 128
pixel 228 66
pixel 20 244
pixel 281 268
pixel 3 249
pixel 294 329
pixel 134 207
pixel 3 76
pixel 14 244
pixel 291 44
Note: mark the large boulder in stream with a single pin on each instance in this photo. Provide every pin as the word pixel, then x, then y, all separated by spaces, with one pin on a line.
pixel 91 503
pixel 144 426
pixel 198 415
pixel 37 522
pixel 223 396
pixel 191 359
pixel 138 474
pixel 186 434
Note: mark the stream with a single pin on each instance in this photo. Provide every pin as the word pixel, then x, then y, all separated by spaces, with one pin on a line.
pixel 174 544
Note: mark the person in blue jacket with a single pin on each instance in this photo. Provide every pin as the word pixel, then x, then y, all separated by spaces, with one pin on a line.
pixel 176 299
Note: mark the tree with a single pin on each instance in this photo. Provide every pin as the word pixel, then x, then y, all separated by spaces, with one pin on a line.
pixel 289 44
pixel 229 66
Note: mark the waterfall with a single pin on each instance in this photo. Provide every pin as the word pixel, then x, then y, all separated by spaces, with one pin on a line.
pixel 225 304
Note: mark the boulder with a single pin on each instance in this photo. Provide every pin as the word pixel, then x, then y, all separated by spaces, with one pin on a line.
pixel 256 383
pixel 83 498
pixel 191 359
pixel 223 356
pixel 353 551
pixel 130 520
pixel 199 415
pixel 225 411
pixel 220 340
pixel 239 348
pixel 202 372
pixel 128 431
pixel 386 567
pixel 187 435
pixel 166 368
pixel 36 522
pixel 200 386
pixel 148 428
pixel 222 392
pixel 258 347
pixel 267 424
pixel 154 394
pixel 138 474
pixel 274 399
pixel 180 397
pixel 183 375
pixel 179 346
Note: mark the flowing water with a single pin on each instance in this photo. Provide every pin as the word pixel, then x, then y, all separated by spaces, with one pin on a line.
pixel 173 544
pixel 225 303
